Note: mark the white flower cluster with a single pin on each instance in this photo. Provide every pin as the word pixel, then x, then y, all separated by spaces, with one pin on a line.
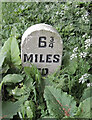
pixel 90 55
pixel 74 55
pixel 66 7
pixel 84 35
pixel 84 78
pixel 57 13
pixel 91 41
pixel 13 92
pixel 85 17
pixel 77 13
pixel 71 24
pixel 61 13
pixel 75 49
pixel 87 43
pixel 83 54
pixel 89 84
pixel 28 108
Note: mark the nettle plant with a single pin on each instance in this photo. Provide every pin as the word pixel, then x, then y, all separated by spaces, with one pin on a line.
pixel 63 94
pixel 28 95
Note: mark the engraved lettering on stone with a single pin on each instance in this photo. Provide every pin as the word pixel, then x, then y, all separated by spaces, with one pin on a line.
pixel 42 46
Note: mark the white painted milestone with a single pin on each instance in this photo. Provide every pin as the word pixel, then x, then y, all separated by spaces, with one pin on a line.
pixel 42 46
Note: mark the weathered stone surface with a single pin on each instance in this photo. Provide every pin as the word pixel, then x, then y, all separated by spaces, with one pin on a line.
pixel 42 45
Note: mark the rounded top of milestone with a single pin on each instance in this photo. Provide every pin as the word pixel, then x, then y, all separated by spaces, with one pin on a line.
pixel 38 27
pixel 42 46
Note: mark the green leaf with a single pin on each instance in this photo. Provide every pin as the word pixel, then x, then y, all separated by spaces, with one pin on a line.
pixel 12 78
pixel 33 73
pixel 28 109
pixel 18 92
pixel 4 69
pixel 15 53
pixel 10 52
pixel 29 83
pixel 2 58
pixel 5 51
pixel 59 104
pixel 27 71
pixel 85 109
pixel 66 59
pixel 71 69
pixel 14 31
pixel 87 93
pixel 11 108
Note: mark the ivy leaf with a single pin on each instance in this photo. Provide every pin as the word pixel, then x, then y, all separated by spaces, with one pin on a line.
pixel 87 93
pixel 11 108
pixel 59 104
pixel 85 109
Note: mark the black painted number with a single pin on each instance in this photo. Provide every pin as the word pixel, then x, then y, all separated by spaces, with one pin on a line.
pixel 42 42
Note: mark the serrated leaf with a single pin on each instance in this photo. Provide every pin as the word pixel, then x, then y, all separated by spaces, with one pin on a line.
pixel 87 93
pixel 59 104
pixel 85 109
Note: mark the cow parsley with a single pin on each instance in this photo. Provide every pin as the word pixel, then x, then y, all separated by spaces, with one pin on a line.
pixel 13 92
pixel 28 108
pixel 89 84
pixel 83 54
pixel 84 35
pixel 87 43
pixel 84 78
pixel 85 17
pixel 75 49
pixel 74 55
